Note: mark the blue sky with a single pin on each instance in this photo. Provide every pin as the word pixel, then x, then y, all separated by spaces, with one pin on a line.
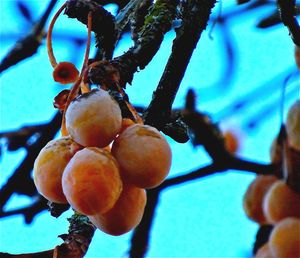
pixel 203 218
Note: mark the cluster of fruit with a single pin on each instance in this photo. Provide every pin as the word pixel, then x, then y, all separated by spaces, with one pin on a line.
pixel 269 200
pixel 104 165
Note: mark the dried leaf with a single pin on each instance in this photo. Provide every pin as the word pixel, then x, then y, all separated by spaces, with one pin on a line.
pixel 61 99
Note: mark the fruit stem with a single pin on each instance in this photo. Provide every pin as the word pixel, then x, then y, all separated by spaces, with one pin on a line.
pixel 85 86
pixel 75 88
pixel 88 43
pixel 49 36
pixel 135 114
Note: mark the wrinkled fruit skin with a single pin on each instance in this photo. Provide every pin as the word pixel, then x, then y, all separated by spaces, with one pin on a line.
pixel 254 196
pixel 94 119
pixel 49 167
pixel 126 213
pixel 144 156
pixel 293 125
pixel 91 181
pixel 285 238
pixel 281 202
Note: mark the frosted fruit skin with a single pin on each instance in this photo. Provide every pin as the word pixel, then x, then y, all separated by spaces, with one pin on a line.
pixel 91 181
pixel 49 166
pixel 264 252
pixel 126 213
pixel 281 202
pixel 285 238
pixel 254 196
pixel 94 119
pixel 143 154
pixel 293 125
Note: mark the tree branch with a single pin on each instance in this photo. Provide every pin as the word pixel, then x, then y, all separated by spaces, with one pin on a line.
pixel 140 238
pixel 287 11
pixel 157 23
pixel 75 245
pixel 196 15
pixel 126 14
pixel 138 18
pixel 103 23
pixel 141 235
pixel 207 134
pixel 30 211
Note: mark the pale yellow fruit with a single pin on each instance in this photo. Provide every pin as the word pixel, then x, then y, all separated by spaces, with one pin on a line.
pixel 281 202
pixel 94 119
pixel 49 167
pixel 126 213
pixel 91 181
pixel 285 239
pixel 143 154
pixel 254 196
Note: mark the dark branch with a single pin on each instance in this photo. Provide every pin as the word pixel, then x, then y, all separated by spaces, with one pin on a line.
pixel 75 245
pixel 141 235
pixel 262 237
pixel 138 18
pixel 140 238
pixel 30 211
pixel 56 209
pixel 237 163
pixel 103 23
pixel 197 174
pixel 157 23
pixel 234 163
pixel 196 15
pixel 126 14
pixel 287 11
